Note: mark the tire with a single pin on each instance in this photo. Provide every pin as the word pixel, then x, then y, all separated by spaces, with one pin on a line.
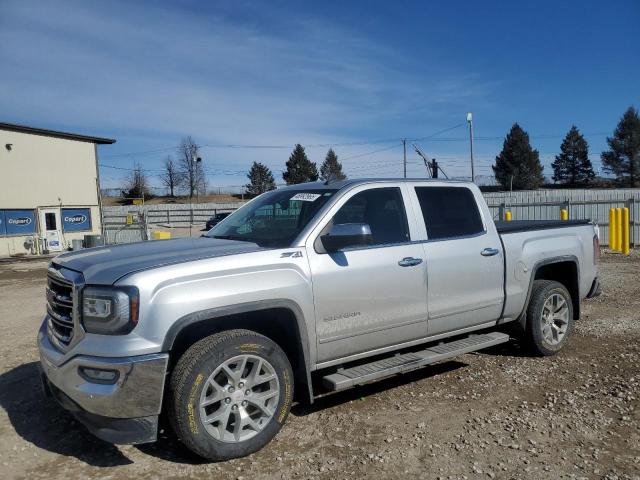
pixel 548 324
pixel 254 380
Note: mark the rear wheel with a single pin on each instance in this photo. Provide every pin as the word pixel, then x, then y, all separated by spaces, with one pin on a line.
pixel 549 317
pixel 230 393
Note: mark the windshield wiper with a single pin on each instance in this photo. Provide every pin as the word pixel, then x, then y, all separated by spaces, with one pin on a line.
pixel 231 237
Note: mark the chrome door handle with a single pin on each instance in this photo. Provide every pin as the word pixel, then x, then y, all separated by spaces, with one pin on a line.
pixel 409 262
pixel 489 252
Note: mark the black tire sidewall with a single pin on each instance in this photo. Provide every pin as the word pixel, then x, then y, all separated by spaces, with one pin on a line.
pixel 541 292
pixel 192 430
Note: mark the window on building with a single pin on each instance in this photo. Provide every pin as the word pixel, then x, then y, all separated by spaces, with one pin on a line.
pixel 449 212
pixel 50 221
pixel 380 208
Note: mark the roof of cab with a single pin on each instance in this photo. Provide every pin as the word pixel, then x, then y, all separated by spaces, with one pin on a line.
pixel 340 184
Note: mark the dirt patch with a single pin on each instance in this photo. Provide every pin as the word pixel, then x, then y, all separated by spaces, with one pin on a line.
pixel 494 414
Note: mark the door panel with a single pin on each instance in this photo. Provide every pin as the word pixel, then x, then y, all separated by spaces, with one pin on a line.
pixel 464 287
pixel 50 228
pixel 364 299
pixel 373 296
pixel 464 258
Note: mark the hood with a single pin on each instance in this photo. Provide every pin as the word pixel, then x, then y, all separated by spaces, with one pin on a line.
pixel 105 265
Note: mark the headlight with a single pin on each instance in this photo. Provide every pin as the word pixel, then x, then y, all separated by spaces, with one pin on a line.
pixel 109 311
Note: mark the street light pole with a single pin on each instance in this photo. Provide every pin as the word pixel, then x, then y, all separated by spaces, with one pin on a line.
pixel 404 148
pixel 470 122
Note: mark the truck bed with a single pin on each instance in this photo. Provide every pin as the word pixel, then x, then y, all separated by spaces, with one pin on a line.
pixel 529 225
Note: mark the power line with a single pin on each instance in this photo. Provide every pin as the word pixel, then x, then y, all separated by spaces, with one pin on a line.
pixel 353 144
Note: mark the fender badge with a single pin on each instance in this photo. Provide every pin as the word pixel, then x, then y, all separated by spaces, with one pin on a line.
pixel 296 254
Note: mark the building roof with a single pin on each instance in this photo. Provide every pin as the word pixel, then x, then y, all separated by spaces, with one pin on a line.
pixel 53 133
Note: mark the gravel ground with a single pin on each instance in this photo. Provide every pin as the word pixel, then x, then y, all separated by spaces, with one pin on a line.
pixel 495 414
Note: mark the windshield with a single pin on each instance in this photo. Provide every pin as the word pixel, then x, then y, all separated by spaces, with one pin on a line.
pixel 274 219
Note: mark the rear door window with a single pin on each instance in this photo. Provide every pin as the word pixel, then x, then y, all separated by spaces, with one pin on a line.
pixel 449 212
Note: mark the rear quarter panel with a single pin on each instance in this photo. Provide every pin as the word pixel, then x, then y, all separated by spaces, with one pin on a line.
pixel 525 251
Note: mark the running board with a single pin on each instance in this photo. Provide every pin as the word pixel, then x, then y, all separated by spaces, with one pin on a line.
pixel 370 372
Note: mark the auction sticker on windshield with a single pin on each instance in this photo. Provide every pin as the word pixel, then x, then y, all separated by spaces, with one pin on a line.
pixel 306 197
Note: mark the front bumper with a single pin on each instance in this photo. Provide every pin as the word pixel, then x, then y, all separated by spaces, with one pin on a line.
pixel 125 411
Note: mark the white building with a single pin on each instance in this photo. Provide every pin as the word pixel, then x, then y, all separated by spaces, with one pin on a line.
pixel 49 189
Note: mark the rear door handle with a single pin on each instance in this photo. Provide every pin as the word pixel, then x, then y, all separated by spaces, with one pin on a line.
pixel 409 262
pixel 489 252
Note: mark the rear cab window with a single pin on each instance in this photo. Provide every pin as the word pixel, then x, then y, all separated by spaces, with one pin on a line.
pixel 449 212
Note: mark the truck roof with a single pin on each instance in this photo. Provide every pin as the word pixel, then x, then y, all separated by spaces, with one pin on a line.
pixel 337 185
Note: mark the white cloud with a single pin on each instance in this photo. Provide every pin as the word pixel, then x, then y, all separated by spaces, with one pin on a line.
pixel 159 73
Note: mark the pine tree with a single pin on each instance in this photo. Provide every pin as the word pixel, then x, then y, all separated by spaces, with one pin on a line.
pixel 331 168
pixel 299 168
pixel 573 167
pixel 261 179
pixel 623 160
pixel 518 162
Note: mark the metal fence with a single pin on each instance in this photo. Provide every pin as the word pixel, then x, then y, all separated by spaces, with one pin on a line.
pixel 118 230
pixel 524 205
pixel 581 204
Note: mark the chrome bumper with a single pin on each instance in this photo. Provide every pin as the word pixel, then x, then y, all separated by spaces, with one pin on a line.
pixel 137 391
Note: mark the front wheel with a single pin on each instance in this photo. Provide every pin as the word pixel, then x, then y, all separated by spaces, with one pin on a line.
pixel 549 317
pixel 230 394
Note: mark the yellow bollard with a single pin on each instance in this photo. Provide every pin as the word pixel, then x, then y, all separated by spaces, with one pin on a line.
pixel 564 214
pixel 159 235
pixel 625 231
pixel 507 216
pixel 619 229
pixel 129 219
pixel 612 228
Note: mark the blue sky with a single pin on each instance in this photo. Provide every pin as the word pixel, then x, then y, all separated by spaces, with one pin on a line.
pixel 356 75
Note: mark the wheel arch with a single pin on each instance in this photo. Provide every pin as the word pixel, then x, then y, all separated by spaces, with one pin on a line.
pixel 565 270
pixel 281 320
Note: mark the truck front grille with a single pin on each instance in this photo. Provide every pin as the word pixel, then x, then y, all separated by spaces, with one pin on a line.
pixel 60 309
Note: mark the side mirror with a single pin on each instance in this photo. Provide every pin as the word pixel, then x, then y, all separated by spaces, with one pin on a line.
pixel 345 235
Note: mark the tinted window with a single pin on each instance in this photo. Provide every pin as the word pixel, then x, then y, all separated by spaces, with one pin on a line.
pixel 449 212
pixel 380 208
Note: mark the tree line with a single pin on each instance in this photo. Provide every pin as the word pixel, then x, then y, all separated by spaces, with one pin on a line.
pixel 299 170
pixel 185 173
pixel 518 165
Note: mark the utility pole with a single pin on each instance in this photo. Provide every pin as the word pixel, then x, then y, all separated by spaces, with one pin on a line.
pixel 470 122
pixel 404 148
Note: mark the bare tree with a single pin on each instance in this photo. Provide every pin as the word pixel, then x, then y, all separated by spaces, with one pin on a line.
pixel 137 185
pixel 190 166
pixel 171 177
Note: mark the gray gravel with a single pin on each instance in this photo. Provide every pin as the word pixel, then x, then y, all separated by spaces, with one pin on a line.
pixel 495 414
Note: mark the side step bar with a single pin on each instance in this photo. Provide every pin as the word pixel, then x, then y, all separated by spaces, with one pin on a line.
pixel 370 372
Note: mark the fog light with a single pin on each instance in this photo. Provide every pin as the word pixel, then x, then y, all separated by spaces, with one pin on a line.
pixel 98 375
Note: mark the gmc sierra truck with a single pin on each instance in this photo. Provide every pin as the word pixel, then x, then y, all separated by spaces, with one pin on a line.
pixel 302 291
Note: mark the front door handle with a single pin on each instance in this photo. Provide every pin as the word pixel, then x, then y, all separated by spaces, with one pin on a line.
pixel 409 262
pixel 489 252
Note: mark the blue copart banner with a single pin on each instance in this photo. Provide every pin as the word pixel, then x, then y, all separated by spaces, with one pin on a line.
pixel 20 222
pixel 76 219
pixel 3 225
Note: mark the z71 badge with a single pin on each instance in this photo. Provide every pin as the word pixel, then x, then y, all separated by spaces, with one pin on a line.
pixel 297 254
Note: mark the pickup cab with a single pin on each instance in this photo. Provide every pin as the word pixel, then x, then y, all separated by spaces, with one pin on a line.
pixel 304 290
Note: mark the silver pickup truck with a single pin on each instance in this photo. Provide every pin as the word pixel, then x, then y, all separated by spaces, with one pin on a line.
pixel 304 290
